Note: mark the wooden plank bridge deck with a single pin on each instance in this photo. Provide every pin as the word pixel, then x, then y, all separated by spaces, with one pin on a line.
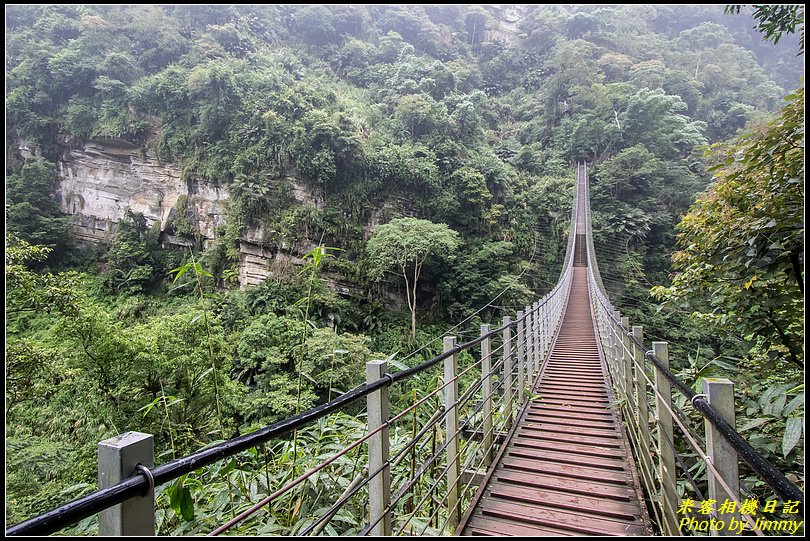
pixel 567 468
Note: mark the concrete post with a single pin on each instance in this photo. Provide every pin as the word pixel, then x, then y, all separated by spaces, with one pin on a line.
pixel 117 460
pixel 627 367
pixel 642 406
pixel 379 487
pixel 666 455
pixel 529 346
pixel 486 385
pixel 507 371
pixel 536 362
pixel 720 395
pixel 451 428
pixel 521 354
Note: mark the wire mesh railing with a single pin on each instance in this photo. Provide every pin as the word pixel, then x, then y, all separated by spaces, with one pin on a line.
pixel 434 429
pixel 643 384
pixel 414 470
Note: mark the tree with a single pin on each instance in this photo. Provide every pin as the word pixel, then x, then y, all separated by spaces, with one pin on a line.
pixel 776 20
pixel 742 243
pixel 406 243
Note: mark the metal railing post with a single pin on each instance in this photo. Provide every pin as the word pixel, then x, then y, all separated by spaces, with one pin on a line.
pixel 668 495
pixel 379 487
pixel 536 361
pixel 617 347
pixel 451 429
pixel 544 328
pixel 486 386
pixel 507 371
pixel 641 390
pixel 529 346
pixel 610 339
pixel 521 354
pixel 627 367
pixel 720 395
pixel 118 458
pixel 642 406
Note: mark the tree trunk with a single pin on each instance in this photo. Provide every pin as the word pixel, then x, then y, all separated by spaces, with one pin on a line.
pixel 413 309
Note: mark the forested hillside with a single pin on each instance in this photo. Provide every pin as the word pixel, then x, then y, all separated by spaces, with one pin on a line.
pixel 332 133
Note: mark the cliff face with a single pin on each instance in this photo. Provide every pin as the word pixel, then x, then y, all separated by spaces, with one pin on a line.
pixel 99 183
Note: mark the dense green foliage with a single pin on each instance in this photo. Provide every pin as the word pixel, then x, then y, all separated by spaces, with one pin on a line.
pixel 462 120
pixel 742 244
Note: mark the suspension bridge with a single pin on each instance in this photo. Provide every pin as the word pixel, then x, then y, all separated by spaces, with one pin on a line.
pixel 559 422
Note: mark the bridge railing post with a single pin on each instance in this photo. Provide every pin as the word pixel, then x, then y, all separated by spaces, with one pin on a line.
pixel 379 487
pixel 608 330
pixel 507 371
pixel 627 369
pixel 614 348
pixel 617 348
pixel 543 328
pixel 486 386
pixel 720 395
pixel 529 346
pixel 451 429
pixel 642 407
pixel 668 495
pixel 521 354
pixel 536 360
pixel 119 458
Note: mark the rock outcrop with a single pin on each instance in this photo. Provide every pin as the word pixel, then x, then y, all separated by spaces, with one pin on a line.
pixel 101 182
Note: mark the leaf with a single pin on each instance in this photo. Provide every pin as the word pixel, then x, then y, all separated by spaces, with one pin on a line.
pixel 773 400
pixel 297 507
pixel 793 404
pixel 174 494
pixel 75 488
pixel 186 504
pixel 180 271
pixel 754 423
pixel 201 271
pixel 793 431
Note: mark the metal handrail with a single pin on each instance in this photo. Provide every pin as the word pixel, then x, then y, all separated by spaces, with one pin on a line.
pixel 90 504
pixel 781 486
pixel 554 301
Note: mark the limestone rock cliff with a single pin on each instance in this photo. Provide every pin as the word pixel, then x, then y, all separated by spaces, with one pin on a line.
pixel 101 182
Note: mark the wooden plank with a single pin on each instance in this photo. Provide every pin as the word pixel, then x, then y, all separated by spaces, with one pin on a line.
pixel 537 515
pixel 596 421
pixel 575 502
pixel 610 463
pixel 492 526
pixel 570 428
pixel 570 438
pixel 565 414
pixel 565 468
pixel 566 485
pixel 581 450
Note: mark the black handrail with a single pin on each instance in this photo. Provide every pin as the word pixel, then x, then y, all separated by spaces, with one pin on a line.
pixel 780 484
pixel 99 500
